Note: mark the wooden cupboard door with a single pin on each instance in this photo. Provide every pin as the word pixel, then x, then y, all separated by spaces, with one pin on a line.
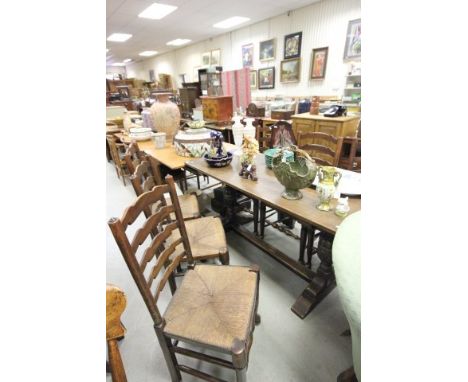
pixel 302 126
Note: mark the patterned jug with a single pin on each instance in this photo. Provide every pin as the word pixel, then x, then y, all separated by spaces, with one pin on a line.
pixel 328 181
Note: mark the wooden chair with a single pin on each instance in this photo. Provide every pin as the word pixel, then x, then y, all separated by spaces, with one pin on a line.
pixel 116 151
pixel 115 305
pixel 215 307
pixel 327 145
pixel 133 157
pixel 263 136
pixel 350 157
pixel 146 176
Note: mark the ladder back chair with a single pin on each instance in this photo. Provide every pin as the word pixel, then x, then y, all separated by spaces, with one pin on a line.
pixel 116 150
pixel 133 156
pixel 215 306
pixel 322 143
pixel 115 306
pixel 263 136
pixel 144 179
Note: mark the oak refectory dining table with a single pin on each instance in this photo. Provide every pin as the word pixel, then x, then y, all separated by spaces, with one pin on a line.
pixel 268 190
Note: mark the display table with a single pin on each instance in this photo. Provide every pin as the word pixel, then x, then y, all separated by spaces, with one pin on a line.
pixel 268 190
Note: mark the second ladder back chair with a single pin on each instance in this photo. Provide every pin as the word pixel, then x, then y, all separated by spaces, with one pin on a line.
pixel 116 151
pixel 215 307
pixel 143 180
pixel 325 149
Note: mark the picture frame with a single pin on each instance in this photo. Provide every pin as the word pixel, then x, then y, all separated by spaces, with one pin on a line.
pixel 206 58
pixel 352 49
pixel 318 63
pixel 267 50
pixel 266 78
pixel 292 45
pixel 253 79
pixel 290 70
pixel 247 55
pixel 215 58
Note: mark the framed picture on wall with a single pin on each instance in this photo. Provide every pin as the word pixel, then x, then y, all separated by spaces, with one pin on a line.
pixel 290 70
pixel 247 55
pixel 215 57
pixel 292 45
pixel 318 63
pixel 267 50
pixel 253 79
pixel 266 78
pixel 353 40
pixel 206 58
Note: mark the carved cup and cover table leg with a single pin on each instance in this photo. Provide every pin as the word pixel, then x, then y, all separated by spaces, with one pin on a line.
pixel 322 283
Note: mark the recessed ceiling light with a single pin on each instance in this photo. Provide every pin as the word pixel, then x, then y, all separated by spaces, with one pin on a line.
pixel 127 60
pixel 148 53
pixel 178 41
pixel 157 11
pixel 118 64
pixel 230 22
pixel 119 37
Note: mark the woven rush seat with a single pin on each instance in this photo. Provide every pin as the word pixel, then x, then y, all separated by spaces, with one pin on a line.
pixel 206 237
pixel 188 205
pixel 214 305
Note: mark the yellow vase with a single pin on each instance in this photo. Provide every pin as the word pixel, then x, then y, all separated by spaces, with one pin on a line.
pixel 329 178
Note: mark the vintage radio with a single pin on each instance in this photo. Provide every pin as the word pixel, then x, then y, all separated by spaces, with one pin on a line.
pixel 255 111
pixel 217 108
pixel 282 114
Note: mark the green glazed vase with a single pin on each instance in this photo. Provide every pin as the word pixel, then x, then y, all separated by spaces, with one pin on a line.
pixel 294 174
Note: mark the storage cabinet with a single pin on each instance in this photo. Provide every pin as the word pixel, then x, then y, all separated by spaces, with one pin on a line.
pixel 338 127
pixel 217 108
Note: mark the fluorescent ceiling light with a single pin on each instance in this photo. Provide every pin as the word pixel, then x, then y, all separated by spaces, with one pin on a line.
pixel 148 53
pixel 127 60
pixel 178 41
pixel 118 64
pixel 119 37
pixel 107 50
pixel 157 11
pixel 232 21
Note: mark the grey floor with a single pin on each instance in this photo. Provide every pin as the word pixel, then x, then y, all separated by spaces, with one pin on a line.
pixel 285 348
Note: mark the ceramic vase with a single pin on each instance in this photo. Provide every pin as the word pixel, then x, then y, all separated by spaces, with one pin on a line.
pixel 166 116
pixel 249 129
pixel 237 130
pixel 329 177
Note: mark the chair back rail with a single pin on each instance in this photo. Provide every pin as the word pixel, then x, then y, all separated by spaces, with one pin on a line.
pixel 132 248
pixel 133 156
pixel 323 143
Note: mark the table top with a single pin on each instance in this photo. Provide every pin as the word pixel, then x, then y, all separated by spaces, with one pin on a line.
pixel 320 117
pixel 268 189
pixel 167 155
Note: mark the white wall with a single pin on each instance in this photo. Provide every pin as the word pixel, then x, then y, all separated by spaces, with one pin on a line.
pixel 322 24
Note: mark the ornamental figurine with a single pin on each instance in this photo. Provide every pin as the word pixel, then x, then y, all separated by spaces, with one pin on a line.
pixel 216 150
pixel 249 150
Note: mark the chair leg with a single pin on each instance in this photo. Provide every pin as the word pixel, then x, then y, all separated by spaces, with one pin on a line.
pixel 239 360
pixel 262 219
pixel 255 216
pixel 198 180
pixel 169 356
pixel 224 257
pixel 302 243
pixel 123 177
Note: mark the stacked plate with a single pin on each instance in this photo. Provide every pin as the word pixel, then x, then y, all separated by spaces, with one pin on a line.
pixel 140 133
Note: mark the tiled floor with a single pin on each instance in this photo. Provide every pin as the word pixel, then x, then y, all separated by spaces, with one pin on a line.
pixel 285 348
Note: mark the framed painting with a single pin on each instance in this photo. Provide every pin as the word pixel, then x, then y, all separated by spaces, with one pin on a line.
pixel 292 45
pixel 253 79
pixel 318 63
pixel 267 50
pixel 247 55
pixel 206 58
pixel 353 41
pixel 290 70
pixel 215 57
pixel 266 78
